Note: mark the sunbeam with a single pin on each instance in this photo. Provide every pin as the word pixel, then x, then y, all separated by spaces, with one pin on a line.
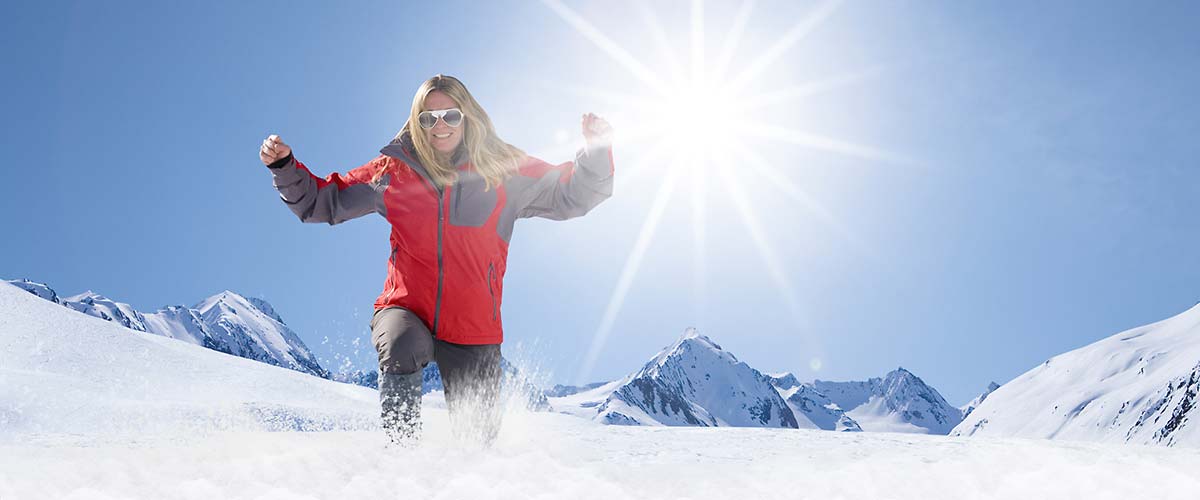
pixel 616 52
pixel 697 115
pixel 775 269
pixel 808 89
pixel 699 253
pixel 760 167
pixel 733 38
pixel 800 30
pixel 661 43
pixel 630 176
pixel 823 143
pixel 608 96
pixel 697 40
pixel 629 271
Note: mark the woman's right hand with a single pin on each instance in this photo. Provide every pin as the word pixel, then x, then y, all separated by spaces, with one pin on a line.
pixel 273 149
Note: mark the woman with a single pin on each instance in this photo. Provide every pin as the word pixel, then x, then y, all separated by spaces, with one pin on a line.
pixel 451 190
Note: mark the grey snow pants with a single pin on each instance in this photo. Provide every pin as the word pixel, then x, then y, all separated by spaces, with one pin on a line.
pixel 470 376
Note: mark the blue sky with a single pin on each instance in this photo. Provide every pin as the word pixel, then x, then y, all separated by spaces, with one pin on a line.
pixel 1045 198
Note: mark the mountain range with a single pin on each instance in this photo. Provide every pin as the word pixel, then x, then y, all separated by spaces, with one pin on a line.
pixel 1139 386
pixel 695 382
pixel 226 322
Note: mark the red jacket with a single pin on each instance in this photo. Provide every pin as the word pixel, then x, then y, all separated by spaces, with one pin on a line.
pixel 449 246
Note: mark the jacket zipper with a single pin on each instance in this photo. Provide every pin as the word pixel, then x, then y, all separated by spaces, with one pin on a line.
pixel 392 291
pixel 491 273
pixel 437 307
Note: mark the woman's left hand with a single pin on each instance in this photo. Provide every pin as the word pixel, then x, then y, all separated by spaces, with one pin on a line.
pixel 596 131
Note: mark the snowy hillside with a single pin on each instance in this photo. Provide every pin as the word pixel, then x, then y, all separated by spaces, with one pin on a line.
pixel 971 406
pixel 1138 386
pixel 226 322
pixel 691 382
pixel 898 402
pixel 62 372
pixel 89 409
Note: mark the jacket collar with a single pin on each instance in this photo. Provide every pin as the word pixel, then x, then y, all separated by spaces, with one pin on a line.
pixel 402 148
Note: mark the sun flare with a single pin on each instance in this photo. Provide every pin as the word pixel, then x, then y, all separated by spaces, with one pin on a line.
pixel 697 110
pixel 695 116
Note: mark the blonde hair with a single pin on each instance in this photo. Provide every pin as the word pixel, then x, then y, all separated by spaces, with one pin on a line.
pixel 494 159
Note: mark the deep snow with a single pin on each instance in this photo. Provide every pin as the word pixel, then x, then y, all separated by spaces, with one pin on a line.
pixel 89 409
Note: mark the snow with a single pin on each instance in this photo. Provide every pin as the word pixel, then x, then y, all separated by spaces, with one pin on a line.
pixel 232 316
pixel 91 410
pixel 690 382
pixel 974 403
pixel 552 456
pixel 1139 386
pixel 64 372
pixel 898 402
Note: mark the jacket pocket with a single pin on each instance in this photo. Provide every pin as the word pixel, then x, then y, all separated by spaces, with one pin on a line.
pixel 472 203
pixel 389 287
pixel 491 278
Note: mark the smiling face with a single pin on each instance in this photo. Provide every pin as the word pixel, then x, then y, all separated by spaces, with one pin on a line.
pixel 442 137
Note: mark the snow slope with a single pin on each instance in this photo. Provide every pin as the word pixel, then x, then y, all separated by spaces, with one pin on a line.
pixel 1138 386
pixel 90 410
pixel 226 322
pixel 971 406
pixel 552 456
pixel 62 372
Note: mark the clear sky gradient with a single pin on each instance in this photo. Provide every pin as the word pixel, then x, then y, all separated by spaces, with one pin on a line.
pixel 1038 191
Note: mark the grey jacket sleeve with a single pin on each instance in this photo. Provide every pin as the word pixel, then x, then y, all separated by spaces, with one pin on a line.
pixel 567 190
pixel 333 199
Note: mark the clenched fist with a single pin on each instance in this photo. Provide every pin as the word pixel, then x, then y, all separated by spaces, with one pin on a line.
pixel 596 131
pixel 273 149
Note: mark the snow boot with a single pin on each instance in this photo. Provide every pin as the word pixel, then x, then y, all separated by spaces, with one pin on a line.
pixel 400 404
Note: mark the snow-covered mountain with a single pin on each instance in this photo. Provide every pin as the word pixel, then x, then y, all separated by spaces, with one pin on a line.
pixel 691 382
pixel 182 323
pixel 560 390
pixel 695 382
pixel 1138 386
pixel 89 409
pixel 898 402
pixel 94 304
pixel 226 322
pixel 251 329
pixel 39 289
pixel 514 383
pixel 68 373
pixel 970 407
pixel 811 406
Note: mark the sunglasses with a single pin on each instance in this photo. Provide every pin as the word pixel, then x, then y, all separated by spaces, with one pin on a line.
pixel 452 117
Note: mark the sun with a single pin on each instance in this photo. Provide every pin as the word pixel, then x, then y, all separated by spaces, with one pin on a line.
pixel 698 108
pixel 697 116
